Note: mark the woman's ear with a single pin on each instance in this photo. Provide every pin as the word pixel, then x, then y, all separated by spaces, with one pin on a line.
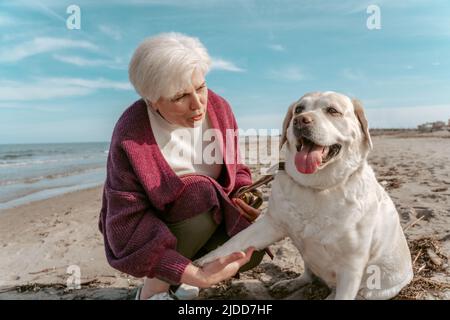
pixel 150 105
pixel 359 112
pixel 287 120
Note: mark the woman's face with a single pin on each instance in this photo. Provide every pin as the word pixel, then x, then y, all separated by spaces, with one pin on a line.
pixel 186 108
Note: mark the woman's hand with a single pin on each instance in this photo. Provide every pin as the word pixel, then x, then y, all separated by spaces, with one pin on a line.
pixel 246 210
pixel 217 270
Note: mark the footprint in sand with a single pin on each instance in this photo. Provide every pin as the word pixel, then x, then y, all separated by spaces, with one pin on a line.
pixel 43 234
pixel 406 213
pixel 440 189
pixel 424 212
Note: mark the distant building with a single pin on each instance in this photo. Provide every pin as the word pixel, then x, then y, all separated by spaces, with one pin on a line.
pixel 426 127
pixel 434 126
pixel 438 125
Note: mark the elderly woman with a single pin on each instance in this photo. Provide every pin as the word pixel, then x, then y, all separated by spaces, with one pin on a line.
pixel 162 207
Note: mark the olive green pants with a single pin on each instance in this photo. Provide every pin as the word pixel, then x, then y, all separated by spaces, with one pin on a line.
pixel 199 235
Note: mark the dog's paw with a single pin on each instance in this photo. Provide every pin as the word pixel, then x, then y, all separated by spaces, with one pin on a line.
pixel 332 295
pixel 285 287
pixel 203 260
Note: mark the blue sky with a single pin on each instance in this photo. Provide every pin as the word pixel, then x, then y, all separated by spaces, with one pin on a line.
pixel 61 85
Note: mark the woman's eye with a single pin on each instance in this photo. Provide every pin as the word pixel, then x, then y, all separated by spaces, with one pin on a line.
pixel 299 109
pixel 176 99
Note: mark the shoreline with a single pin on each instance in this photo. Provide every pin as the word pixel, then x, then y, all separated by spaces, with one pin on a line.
pixel 45 194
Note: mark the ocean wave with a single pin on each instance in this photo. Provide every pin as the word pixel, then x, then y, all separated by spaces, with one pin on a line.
pixel 28 153
pixel 31 180
pixel 16 156
pixel 5 164
pixel 13 164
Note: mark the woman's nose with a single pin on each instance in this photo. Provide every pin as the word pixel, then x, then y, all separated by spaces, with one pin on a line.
pixel 196 102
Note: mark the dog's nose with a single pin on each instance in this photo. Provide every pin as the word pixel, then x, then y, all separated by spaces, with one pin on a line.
pixel 306 119
pixel 303 120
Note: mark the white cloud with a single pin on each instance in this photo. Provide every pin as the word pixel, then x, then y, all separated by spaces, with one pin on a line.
pixel 277 47
pixel 51 88
pixel 111 32
pixel 83 62
pixel 99 83
pixel 16 91
pixel 33 106
pixel 46 10
pixel 42 45
pixel 290 73
pixel 221 64
pixel 79 61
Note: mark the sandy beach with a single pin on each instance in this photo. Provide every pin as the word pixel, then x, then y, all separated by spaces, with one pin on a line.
pixel 40 240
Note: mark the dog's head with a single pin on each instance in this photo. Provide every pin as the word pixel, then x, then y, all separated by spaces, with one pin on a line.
pixel 327 137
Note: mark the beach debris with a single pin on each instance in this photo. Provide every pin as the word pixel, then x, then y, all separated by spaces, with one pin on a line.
pixel 440 189
pixel 435 258
pixel 52 269
pixel 391 183
pixel 428 259
pixel 424 212
pixel 35 287
pixel 413 223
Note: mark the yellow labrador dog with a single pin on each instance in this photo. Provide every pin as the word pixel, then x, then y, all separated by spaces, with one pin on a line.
pixel 330 204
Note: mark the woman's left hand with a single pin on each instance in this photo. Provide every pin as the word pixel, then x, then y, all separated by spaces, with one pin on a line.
pixel 246 210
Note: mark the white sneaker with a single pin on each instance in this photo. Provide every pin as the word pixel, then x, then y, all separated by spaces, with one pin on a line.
pixel 161 296
pixel 187 292
pixel 157 296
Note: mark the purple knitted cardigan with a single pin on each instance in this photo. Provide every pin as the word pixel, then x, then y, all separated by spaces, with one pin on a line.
pixel 141 191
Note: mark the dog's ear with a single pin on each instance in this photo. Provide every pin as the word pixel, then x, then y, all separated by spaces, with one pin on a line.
pixel 359 112
pixel 286 121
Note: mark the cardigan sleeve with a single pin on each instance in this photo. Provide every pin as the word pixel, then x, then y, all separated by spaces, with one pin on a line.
pixel 137 242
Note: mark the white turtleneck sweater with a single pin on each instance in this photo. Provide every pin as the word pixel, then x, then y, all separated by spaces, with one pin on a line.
pixel 183 147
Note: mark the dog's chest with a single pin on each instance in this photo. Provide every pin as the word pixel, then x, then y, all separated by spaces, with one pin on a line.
pixel 325 226
pixel 320 216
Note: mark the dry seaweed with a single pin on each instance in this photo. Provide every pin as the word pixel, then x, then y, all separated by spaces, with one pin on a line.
pixel 428 259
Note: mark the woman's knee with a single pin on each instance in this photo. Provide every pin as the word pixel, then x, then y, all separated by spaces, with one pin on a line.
pixel 193 233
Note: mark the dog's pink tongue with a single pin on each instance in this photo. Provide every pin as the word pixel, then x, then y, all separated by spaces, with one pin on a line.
pixel 308 159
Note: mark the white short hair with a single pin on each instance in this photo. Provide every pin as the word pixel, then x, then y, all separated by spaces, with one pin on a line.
pixel 163 65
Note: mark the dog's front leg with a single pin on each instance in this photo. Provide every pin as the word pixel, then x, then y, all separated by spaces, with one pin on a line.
pixel 348 282
pixel 263 232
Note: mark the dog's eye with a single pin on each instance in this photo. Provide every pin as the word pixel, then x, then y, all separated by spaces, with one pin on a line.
pixel 333 111
pixel 299 109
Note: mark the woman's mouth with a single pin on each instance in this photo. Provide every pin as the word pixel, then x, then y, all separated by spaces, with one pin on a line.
pixel 198 117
